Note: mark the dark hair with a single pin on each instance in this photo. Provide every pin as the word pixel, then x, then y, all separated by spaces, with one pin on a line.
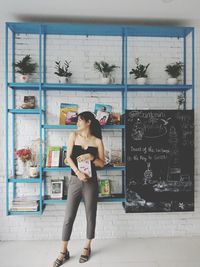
pixel 95 127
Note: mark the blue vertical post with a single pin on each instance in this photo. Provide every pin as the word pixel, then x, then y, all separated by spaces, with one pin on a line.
pixel 193 75
pixel 6 119
pixel 44 102
pixel 40 120
pixel 13 115
pixel 124 101
pixel 184 69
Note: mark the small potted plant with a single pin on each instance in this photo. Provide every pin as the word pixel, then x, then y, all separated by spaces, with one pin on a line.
pixel 174 70
pixel 63 71
pixel 140 72
pixel 181 100
pixel 35 158
pixel 25 68
pixel 105 69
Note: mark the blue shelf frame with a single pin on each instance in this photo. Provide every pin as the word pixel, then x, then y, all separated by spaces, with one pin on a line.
pixel 44 29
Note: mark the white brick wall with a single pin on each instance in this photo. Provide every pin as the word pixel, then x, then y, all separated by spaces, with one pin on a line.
pixel 112 221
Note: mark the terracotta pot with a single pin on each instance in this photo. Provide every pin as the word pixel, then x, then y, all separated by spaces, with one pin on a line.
pixel 24 78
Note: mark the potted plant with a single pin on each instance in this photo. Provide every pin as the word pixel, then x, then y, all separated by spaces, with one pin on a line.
pixel 35 158
pixel 63 71
pixel 25 68
pixel 140 72
pixel 105 69
pixel 174 70
pixel 24 154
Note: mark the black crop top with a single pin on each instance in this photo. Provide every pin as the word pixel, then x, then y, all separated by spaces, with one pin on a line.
pixel 79 150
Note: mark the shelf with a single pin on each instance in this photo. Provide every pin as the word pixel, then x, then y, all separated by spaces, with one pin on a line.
pixel 24 212
pixel 24 180
pixel 100 87
pixel 24 86
pixel 114 198
pixel 46 126
pixel 67 169
pixel 98 29
pixel 83 87
pixel 25 111
pixel 159 87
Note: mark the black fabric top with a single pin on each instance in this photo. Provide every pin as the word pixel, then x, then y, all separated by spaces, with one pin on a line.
pixel 79 150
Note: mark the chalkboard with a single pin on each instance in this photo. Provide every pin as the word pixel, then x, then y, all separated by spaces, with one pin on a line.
pixel 159 160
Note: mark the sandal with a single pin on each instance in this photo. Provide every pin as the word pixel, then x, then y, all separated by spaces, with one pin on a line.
pixel 84 258
pixel 59 262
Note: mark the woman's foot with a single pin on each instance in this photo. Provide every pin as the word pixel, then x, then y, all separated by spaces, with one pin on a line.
pixel 85 255
pixel 62 257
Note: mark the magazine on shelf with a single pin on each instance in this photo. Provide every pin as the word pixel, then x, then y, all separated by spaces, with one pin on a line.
pixel 64 157
pixel 104 187
pixel 53 156
pixel 102 113
pixel 29 102
pixel 115 156
pixel 56 189
pixel 85 167
pixel 68 113
pixel 114 118
pixel 25 203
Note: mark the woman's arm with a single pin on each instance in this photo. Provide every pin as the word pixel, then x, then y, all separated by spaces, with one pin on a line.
pixel 70 144
pixel 100 161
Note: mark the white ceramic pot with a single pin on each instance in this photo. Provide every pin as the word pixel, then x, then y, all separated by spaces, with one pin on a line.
pixel 24 78
pixel 105 80
pixel 141 80
pixel 172 81
pixel 63 79
pixel 33 172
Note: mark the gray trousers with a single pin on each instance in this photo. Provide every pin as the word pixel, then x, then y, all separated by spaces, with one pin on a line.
pixel 76 191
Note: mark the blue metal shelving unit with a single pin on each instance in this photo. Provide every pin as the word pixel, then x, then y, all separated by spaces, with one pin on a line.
pixel 42 30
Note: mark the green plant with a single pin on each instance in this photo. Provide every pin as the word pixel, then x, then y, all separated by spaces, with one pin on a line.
pixel 25 66
pixel 140 70
pixel 63 71
pixel 174 69
pixel 104 68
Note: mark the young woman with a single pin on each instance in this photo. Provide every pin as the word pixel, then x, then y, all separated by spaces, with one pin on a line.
pixel 83 144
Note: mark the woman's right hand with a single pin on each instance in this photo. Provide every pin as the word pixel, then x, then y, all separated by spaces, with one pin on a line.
pixel 82 176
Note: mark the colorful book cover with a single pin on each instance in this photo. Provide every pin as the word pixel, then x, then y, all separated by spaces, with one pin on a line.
pixel 64 157
pixel 53 156
pixel 104 187
pixel 68 113
pixel 85 167
pixel 102 113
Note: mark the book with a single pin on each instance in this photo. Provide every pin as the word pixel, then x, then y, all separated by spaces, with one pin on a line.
pixel 104 187
pixel 115 157
pixel 85 167
pixel 102 113
pixel 114 118
pixel 29 102
pixel 56 189
pixel 64 157
pixel 68 113
pixel 53 156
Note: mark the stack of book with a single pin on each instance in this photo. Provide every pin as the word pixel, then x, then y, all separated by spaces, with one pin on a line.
pixel 24 204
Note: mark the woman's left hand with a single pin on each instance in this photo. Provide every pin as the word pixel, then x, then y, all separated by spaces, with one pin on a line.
pixel 87 156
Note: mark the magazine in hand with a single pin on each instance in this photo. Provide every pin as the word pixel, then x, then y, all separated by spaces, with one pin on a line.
pixel 85 167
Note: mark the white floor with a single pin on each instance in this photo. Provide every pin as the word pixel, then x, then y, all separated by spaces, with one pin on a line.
pixel 140 252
